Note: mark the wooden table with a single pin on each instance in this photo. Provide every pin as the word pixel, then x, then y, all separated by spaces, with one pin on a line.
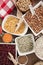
pixel 32 58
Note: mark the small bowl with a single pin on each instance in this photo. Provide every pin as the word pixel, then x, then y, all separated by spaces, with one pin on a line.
pixel 25 30
pixel 25 62
pixel 25 53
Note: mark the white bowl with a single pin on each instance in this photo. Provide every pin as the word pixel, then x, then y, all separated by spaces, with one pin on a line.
pixel 39 56
pixel 3 22
pixel 36 6
pixel 38 46
pixel 25 53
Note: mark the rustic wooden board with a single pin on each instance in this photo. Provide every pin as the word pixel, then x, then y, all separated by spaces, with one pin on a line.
pixel 32 58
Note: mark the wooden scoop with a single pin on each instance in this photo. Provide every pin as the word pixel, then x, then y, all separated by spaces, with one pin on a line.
pixel 11 58
pixel 33 12
pixel 19 24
